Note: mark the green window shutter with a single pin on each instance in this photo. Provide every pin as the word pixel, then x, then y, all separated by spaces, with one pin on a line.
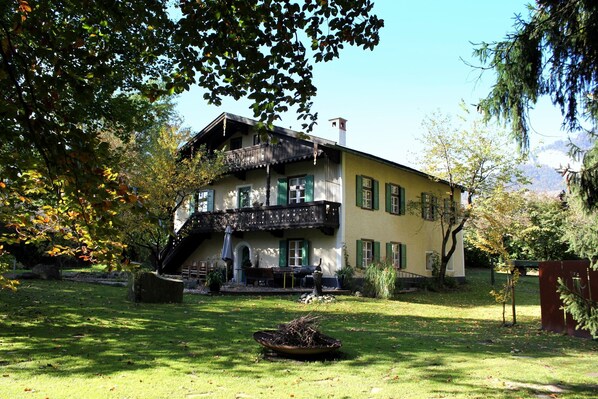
pixel 389 252
pixel 376 195
pixel 359 254
pixel 402 200
pixel 388 197
pixel 305 253
pixel 424 204
pixel 283 186
pixel 309 188
pixel 403 256
pixel 191 204
pixel 434 207
pixel 377 251
pixel 359 191
pixel 210 200
pixel 282 253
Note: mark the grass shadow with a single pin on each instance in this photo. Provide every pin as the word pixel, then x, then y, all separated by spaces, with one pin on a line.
pixel 74 329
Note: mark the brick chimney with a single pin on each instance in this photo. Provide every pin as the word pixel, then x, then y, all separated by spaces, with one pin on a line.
pixel 341 125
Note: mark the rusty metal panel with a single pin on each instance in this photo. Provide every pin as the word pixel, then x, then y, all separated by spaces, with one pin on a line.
pixel 593 284
pixel 571 272
pixel 553 317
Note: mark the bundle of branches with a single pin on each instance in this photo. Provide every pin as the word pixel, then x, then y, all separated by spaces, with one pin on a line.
pixel 302 332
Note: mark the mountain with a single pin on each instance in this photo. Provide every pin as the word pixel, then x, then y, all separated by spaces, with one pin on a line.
pixel 546 161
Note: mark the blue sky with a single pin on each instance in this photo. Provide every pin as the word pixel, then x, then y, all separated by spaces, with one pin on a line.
pixel 416 70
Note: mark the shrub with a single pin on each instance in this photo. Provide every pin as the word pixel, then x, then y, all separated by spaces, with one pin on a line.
pixel 345 276
pixel 380 280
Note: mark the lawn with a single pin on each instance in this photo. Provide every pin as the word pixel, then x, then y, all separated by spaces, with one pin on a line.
pixel 77 340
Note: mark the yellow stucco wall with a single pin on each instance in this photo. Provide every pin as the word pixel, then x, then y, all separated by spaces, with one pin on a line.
pixel 337 183
pixel 265 246
pixel 411 229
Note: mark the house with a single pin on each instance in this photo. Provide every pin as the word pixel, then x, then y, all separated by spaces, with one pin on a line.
pixel 296 199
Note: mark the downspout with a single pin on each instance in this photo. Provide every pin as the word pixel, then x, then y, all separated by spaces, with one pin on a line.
pixel 268 184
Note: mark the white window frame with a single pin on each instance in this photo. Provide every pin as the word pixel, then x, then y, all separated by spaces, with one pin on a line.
pixel 449 211
pixel 367 252
pixel 396 254
pixel 201 202
pixel 250 189
pixel 296 189
pixel 295 252
pixel 395 199
pixel 429 260
pixel 367 190
pixel 430 207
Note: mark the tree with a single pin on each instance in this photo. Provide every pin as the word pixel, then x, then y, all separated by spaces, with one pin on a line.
pixel 581 230
pixel 553 52
pixel 5 282
pixel 163 180
pixel 473 159
pixel 581 233
pixel 499 217
pixel 542 236
pixel 68 70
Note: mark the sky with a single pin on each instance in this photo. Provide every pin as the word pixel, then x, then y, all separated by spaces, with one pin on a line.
pixel 419 67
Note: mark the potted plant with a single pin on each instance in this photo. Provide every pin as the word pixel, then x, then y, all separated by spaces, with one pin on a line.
pixel 214 280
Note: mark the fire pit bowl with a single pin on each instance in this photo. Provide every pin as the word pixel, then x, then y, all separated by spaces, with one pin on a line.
pixel 266 338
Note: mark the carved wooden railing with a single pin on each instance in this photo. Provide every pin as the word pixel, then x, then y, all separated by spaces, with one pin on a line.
pixel 319 214
pixel 407 279
pixel 264 154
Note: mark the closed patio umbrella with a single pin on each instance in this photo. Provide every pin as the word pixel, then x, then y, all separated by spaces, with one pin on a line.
pixel 227 248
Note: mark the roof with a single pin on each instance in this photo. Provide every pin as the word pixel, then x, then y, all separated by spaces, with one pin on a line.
pixel 219 124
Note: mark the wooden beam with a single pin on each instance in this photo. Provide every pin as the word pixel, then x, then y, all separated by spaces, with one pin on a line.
pixel 241 175
pixel 279 168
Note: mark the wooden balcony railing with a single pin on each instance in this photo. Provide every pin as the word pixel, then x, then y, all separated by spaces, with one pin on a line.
pixel 311 215
pixel 264 154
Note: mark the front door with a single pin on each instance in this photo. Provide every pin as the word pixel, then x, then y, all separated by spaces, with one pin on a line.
pixel 242 259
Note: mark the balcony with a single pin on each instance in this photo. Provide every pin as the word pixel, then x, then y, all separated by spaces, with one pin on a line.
pixel 322 215
pixel 259 156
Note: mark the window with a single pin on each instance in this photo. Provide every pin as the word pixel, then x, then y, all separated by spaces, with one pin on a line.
pixel 295 190
pixel 257 139
pixel 293 252
pixel 236 143
pixel 368 251
pixel 429 206
pixel 449 211
pixel 366 192
pixel 396 253
pixel 395 199
pixel 244 197
pixel 431 260
pixel 202 201
pixel 205 201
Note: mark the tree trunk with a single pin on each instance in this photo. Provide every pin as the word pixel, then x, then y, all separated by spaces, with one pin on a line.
pixel 513 301
pixel 442 271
